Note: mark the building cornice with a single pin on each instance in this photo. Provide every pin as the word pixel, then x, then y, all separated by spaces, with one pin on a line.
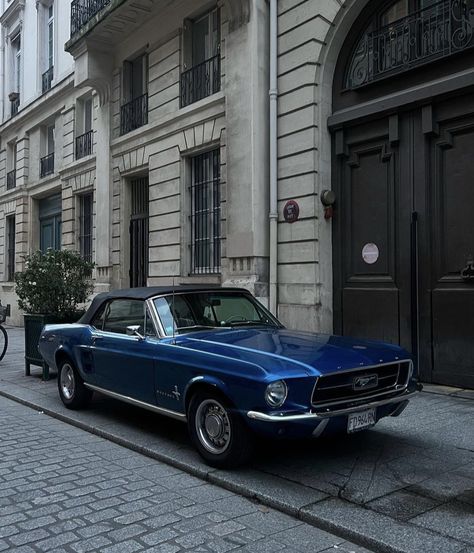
pixel 42 102
pixel 13 12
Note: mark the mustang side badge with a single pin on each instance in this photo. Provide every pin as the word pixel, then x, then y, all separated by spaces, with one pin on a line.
pixel 175 394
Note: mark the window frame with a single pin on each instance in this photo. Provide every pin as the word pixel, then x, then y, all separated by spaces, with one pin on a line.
pixel 82 235
pixel 10 246
pixel 104 311
pixel 213 224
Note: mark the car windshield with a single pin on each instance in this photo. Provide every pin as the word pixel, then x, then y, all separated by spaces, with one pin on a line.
pixel 201 310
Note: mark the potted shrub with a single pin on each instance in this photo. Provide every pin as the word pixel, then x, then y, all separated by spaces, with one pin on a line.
pixel 50 289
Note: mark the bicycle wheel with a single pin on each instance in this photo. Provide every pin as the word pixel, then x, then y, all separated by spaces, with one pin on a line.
pixel 3 342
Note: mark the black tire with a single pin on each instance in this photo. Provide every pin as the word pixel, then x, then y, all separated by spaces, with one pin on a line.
pixel 71 387
pixel 3 342
pixel 217 431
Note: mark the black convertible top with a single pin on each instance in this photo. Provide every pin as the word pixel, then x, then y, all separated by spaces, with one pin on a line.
pixel 143 294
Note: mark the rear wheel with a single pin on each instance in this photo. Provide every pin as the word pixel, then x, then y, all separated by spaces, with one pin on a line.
pixel 71 387
pixel 218 432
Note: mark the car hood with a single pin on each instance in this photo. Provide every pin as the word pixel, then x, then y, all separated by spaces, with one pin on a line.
pixel 281 350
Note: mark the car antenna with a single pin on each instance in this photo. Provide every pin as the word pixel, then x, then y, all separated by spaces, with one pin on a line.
pixel 173 313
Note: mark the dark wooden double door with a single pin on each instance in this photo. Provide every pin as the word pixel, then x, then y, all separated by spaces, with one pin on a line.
pixel 404 235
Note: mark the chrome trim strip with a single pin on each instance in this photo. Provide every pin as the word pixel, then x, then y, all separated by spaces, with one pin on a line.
pixel 366 367
pixel 256 415
pixel 137 403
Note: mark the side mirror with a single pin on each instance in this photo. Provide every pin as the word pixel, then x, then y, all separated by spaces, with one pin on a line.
pixel 134 330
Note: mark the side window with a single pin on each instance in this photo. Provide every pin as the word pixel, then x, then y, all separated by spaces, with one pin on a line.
pixel 149 326
pixel 98 320
pixel 123 313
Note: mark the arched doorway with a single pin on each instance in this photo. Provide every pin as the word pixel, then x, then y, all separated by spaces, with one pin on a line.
pixel 403 150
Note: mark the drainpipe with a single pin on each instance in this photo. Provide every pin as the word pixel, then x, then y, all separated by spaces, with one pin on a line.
pixel 273 92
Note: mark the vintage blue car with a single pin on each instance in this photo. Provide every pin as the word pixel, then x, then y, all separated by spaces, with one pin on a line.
pixel 216 358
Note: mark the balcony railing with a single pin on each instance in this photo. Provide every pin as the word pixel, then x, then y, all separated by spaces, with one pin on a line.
pixel 15 105
pixel 134 114
pixel 425 35
pixel 11 179
pixel 201 81
pixel 47 79
pixel 47 165
pixel 84 144
pixel 82 11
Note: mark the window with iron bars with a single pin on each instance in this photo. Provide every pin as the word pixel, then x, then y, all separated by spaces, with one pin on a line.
pixel 85 226
pixel 10 235
pixel 205 215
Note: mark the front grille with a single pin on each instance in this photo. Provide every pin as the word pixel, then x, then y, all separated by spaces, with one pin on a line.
pixel 358 384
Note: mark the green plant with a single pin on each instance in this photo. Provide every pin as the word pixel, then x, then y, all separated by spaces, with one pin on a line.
pixel 54 282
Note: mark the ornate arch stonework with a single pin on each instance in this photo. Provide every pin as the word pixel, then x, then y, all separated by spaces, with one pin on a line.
pixel 238 12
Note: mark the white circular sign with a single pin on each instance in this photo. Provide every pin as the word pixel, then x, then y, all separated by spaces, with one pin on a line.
pixel 370 253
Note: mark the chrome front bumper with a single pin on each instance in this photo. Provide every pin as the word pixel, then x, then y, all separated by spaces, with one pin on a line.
pixel 256 415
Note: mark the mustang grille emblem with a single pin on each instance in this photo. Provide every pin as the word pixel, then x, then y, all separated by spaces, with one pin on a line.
pixel 365 382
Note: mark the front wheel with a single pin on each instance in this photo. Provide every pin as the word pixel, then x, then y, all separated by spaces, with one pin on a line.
pixel 3 342
pixel 218 432
pixel 71 387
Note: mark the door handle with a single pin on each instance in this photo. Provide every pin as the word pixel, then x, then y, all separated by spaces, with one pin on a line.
pixel 467 273
pixel 96 337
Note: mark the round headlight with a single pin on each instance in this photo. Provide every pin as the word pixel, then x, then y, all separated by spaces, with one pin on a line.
pixel 275 394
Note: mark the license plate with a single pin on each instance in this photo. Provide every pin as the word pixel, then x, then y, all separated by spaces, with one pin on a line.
pixel 360 420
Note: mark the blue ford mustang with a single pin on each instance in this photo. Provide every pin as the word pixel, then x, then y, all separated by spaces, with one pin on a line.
pixel 219 360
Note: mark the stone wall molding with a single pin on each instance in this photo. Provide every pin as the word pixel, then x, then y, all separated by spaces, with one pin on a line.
pixel 238 12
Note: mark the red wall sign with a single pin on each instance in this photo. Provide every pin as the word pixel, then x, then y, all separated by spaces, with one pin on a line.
pixel 291 211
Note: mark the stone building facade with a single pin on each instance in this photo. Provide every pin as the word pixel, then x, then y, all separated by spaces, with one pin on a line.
pixel 167 105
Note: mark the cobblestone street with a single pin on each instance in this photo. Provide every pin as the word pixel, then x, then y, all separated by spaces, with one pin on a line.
pixel 65 490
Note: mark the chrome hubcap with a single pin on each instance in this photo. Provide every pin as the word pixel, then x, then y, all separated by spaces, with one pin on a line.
pixel 67 381
pixel 213 426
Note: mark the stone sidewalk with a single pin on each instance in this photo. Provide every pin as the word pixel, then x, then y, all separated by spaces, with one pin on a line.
pixel 407 486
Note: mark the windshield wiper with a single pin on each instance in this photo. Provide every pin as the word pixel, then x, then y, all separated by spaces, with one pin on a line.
pixel 193 327
pixel 250 323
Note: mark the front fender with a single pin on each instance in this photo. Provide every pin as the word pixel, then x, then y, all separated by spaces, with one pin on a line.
pixel 206 380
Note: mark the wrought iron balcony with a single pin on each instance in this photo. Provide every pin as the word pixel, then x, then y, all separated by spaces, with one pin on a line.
pixel 201 81
pixel 134 114
pixel 84 144
pixel 15 105
pixel 82 11
pixel 47 79
pixel 47 165
pixel 425 35
pixel 11 179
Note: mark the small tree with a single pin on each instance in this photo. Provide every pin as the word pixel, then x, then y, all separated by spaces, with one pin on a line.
pixel 54 282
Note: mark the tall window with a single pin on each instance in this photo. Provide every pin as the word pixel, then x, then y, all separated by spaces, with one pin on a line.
pixel 50 34
pixel 16 63
pixel 202 70
pixel 50 210
pixel 139 240
pixel 134 110
pixel 12 148
pixel 48 40
pixel 205 213
pixel 85 226
pixel 85 134
pixel 10 246
pixel 47 161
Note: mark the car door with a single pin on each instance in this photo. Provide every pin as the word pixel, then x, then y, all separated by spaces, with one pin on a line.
pixel 124 364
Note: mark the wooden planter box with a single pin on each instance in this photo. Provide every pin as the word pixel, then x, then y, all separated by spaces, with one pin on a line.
pixel 34 324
